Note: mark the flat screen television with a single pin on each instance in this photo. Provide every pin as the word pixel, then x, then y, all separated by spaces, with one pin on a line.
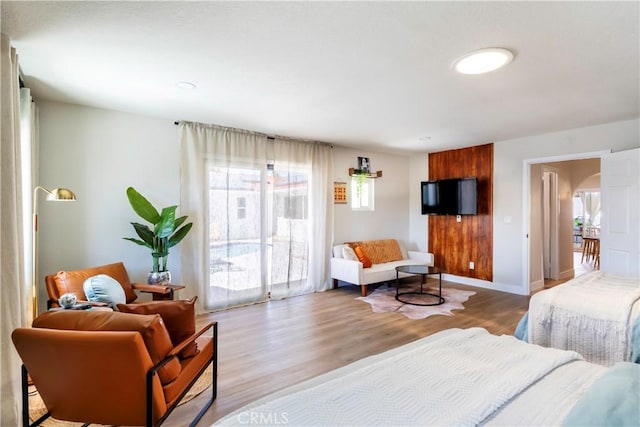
pixel 456 196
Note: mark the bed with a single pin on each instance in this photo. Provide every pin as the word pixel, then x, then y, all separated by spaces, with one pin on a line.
pixel 457 377
pixel 596 314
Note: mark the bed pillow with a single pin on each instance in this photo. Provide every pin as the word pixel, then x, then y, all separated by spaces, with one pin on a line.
pixel 362 257
pixel 348 253
pixel 103 288
pixel 380 251
pixel 611 400
pixel 521 332
pixel 179 318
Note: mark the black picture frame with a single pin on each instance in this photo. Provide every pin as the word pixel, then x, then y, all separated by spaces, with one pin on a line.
pixel 364 165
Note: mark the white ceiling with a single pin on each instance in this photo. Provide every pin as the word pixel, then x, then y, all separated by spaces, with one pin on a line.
pixel 374 74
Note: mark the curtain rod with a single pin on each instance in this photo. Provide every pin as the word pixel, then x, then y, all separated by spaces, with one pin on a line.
pixel 268 137
pixel 271 138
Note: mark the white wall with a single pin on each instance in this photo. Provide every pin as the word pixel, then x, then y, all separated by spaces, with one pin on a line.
pixel 565 220
pixel 98 154
pixel 391 216
pixel 585 175
pixel 418 223
pixel 509 157
pixel 536 254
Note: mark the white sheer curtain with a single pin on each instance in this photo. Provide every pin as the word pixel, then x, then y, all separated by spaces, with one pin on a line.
pixel 591 203
pixel 15 295
pixel 304 236
pixel 200 147
pixel 261 210
pixel 29 142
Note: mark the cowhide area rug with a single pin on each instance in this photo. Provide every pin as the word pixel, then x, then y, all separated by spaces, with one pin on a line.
pixel 383 300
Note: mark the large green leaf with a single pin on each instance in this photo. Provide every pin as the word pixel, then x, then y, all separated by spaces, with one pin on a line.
pixel 165 226
pixel 144 232
pixel 179 235
pixel 142 206
pixel 139 242
pixel 179 222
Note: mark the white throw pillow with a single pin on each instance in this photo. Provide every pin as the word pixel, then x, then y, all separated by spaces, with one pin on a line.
pixel 348 253
pixel 103 288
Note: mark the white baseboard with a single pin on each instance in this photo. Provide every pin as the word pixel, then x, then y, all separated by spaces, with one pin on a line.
pixel 537 285
pixel 495 286
pixel 568 274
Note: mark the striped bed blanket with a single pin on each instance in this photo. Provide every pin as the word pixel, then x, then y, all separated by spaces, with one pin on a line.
pixel 455 377
pixel 596 315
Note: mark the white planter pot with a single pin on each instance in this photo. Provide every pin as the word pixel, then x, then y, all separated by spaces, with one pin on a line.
pixel 159 278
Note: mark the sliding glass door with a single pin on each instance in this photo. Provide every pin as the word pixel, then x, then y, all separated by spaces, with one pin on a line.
pixel 236 244
pixel 262 215
pixel 288 233
pixel 258 233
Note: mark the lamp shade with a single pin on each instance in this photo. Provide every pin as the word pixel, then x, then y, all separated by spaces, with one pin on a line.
pixel 61 195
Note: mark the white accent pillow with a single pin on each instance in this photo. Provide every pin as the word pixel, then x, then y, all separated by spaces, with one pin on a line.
pixel 103 288
pixel 348 253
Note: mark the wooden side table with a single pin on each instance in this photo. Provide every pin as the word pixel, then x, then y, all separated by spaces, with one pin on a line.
pixel 159 292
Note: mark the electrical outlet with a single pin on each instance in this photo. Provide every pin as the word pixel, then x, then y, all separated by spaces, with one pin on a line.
pixel 471 265
pixel 458 218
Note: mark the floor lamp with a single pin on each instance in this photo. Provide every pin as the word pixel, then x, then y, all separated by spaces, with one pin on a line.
pixel 55 195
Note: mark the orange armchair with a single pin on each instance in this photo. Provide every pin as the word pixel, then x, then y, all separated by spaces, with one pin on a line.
pixel 63 282
pixel 109 367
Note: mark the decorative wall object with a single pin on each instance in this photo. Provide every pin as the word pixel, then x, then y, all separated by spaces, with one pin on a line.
pixel 456 244
pixel 364 164
pixel 364 169
pixel 358 172
pixel 340 193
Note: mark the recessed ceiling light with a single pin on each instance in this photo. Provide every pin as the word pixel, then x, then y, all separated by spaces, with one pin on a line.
pixel 186 85
pixel 482 60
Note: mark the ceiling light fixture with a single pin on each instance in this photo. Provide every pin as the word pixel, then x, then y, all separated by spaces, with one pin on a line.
pixel 482 60
pixel 186 85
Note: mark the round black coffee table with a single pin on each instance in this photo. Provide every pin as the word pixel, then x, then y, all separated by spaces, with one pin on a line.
pixel 423 271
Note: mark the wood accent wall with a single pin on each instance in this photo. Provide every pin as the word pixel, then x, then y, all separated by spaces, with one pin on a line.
pixel 455 244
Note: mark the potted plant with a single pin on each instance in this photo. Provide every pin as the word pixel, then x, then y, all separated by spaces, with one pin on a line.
pixel 167 232
pixel 361 177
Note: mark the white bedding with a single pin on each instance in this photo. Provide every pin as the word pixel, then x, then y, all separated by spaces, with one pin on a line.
pixel 592 315
pixel 454 377
pixel 548 402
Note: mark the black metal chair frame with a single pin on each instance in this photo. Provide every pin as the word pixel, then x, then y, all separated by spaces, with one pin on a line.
pixel 149 405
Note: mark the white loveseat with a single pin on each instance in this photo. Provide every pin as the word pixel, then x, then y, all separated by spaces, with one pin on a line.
pixel 386 255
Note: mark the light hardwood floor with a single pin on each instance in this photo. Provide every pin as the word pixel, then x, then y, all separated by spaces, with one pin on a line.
pixel 579 268
pixel 265 347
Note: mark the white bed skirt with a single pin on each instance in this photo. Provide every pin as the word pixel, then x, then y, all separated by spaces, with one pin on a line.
pixel 592 314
